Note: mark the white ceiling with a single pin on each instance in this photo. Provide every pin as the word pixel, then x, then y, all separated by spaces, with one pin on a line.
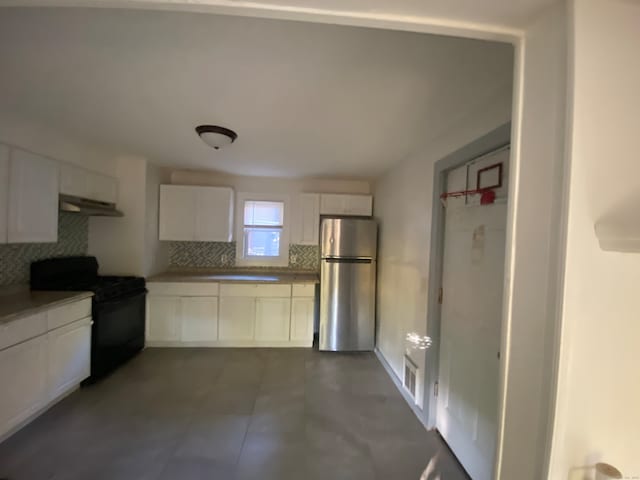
pixel 509 14
pixel 306 99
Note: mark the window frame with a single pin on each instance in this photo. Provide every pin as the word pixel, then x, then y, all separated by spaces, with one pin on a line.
pixel 281 260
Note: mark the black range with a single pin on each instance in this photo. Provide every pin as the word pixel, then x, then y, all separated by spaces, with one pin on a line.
pixel 118 307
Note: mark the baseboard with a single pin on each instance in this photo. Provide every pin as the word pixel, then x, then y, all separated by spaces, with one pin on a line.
pixel 396 381
pixel 228 344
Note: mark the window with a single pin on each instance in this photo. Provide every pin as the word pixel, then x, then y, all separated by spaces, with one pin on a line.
pixel 263 228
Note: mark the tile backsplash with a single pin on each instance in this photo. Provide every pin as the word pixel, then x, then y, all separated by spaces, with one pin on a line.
pixel 223 255
pixel 15 259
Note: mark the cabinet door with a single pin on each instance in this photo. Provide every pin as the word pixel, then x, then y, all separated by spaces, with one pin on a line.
pixel 237 318
pixel 33 199
pixel 4 191
pixel 69 356
pixel 163 322
pixel 102 188
pixel 23 376
pixel 272 319
pixel 73 181
pixel 177 212
pixel 361 205
pixel 214 214
pixel 309 219
pixel 199 319
pixel 302 310
pixel 333 204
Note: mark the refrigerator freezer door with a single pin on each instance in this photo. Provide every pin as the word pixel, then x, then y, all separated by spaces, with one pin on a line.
pixel 348 237
pixel 347 305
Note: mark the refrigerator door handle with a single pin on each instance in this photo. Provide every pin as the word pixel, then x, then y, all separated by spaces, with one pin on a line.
pixel 347 260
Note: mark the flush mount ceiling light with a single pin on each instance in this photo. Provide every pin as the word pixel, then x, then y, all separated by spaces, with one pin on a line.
pixel 216 137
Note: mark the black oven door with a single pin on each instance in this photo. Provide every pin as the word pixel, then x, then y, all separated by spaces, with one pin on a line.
pixel 118 332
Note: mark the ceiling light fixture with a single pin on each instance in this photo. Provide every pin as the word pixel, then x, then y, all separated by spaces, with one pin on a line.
pixel 216 137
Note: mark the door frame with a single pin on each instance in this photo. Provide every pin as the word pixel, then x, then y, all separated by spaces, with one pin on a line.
pixel 495 139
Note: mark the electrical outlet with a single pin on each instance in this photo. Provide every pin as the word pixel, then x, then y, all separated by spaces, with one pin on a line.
pixel 223 259
pixel 294 259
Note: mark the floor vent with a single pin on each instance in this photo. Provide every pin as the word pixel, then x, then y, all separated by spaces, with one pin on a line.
pixel 410 377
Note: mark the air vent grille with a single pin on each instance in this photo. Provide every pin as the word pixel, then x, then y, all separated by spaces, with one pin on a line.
pixel 410 377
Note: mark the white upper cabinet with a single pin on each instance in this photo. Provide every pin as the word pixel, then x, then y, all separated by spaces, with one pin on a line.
pixel 214 214
pixel 4 192
pixel 33 199
pixel 191 213
pixel 344 204
pixel 307 220
pixel 82 183
pixel 102 188
pixel 177 213
pixel 73 181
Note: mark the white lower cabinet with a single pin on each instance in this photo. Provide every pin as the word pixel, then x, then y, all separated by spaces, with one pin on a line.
pixel 23 375
pixel 69 356
pixel 231 315
pixel 302 314
pixel 173 319
pixel 237 318
pixel 40 363
pixel 199 319
pixel 273 319
pixel 163 324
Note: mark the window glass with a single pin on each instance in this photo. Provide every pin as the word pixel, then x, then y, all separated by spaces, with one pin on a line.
pixel 263 213
pixel 263 222
pixel 262 242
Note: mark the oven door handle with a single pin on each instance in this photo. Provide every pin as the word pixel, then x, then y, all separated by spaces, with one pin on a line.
pixel 117 301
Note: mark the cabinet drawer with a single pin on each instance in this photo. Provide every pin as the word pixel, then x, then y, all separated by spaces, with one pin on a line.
pixel 304 290
pixel 69 313
pixel 255 290
pixel 22 329
pixel 181 289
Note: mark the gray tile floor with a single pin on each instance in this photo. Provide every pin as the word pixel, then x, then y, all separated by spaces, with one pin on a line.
pixel 232 414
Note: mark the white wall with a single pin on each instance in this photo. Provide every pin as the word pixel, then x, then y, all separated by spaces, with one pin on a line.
pixel 402 205
pixel 156 252
pixel 119 243
pixel 598 403
pixel 270 184
pixel 532 245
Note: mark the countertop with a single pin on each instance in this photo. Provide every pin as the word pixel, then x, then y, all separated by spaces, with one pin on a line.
pixel 235 276
pixel 15 304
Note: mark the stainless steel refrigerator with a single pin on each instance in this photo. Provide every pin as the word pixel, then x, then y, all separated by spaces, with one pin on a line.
pixel 347 284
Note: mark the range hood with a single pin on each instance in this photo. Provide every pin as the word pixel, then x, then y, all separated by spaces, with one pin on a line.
pixel 83 206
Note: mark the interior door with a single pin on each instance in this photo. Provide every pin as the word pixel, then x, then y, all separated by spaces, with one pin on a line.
pixel 473 275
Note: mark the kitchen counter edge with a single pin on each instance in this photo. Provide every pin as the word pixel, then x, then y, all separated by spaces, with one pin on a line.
pixel 209 277
pixel 16 305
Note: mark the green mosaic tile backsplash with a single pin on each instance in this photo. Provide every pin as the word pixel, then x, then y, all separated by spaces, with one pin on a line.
pixel 223 255
pixel 15 259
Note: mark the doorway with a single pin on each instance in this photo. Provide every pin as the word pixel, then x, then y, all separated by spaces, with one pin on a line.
pixel 466 297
